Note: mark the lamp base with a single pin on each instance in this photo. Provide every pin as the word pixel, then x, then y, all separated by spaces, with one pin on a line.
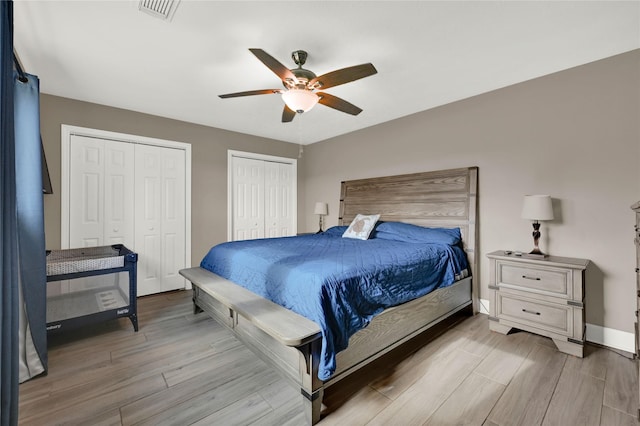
pixel 535 255
pixel 319 224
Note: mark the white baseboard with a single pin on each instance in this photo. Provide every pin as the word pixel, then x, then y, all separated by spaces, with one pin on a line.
pixel 611 337
pixel 604 336
pixel 484 306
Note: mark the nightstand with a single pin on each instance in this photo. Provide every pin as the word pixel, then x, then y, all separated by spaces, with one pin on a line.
pixel 542 296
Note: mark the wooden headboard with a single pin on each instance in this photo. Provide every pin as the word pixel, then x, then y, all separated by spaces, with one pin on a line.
pixel 444 198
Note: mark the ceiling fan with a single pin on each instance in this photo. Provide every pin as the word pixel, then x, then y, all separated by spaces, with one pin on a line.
pixel 301 86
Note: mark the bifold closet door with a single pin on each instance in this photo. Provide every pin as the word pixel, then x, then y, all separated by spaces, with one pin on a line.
pixel 101 192
pixel 278 200
pixel 248 198
pixel 160 218
pixel 263 202
pixel 131 194
pixel 101 200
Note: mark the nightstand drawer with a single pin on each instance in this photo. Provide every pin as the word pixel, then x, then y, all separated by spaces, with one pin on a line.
pixel 555 318
pixel 544 280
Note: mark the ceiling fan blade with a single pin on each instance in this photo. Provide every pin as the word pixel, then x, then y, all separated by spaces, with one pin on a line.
pixel 343 75
pixel 287 114
pixel 251 93
pixel 274 65
pixel 338 103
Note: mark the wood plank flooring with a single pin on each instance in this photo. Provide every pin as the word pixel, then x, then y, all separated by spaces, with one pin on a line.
pixel 185 369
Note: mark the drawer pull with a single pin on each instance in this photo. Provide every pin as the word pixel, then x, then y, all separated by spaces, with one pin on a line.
pixel 531 278
pixel 530 312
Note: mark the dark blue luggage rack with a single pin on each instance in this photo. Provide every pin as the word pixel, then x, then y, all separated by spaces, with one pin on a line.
pixel 89 300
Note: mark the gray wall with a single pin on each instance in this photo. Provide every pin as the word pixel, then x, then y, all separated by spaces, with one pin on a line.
pixel 573 135
pixel 209 161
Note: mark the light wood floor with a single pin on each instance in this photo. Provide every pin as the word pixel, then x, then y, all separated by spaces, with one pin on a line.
pixel 185 369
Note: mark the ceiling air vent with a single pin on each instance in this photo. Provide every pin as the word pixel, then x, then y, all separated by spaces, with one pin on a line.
pixel 163 9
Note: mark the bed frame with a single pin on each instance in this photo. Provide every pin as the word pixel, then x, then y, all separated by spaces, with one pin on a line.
pixel 291 343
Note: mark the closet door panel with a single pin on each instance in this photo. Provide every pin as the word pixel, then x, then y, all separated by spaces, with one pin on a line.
pixel 173 218
pixel 248 202
pixel 278 200
pixel 286 200
pixel 148 204
pixel 86 189
pixel 119 193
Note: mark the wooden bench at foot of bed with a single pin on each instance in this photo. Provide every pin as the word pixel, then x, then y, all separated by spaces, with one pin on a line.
pixel 287 341
pixel 291 343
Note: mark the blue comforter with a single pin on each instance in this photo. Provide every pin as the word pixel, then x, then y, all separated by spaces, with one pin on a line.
pixel 342 283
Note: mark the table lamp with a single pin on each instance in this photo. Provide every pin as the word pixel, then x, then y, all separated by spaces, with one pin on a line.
pixel 537 208
pixel 321 209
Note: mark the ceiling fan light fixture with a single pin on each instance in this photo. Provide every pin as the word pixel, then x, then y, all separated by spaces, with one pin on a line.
pixel 300 100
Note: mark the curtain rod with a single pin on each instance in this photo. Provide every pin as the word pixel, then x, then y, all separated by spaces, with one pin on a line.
pixel 16 60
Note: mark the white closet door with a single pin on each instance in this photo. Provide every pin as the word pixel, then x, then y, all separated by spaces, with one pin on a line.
pixel 101 192
pixel 277 199
pixel 248 198
pixel 119 193
pixel 173 218
pixel 86 191
pixel 134 193
pixel 160 215
pixel 148 201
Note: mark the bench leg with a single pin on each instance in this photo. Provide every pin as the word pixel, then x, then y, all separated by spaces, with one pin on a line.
pixel 196 309
pixel 312 406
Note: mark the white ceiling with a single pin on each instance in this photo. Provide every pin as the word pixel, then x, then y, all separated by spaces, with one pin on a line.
pixel 427 54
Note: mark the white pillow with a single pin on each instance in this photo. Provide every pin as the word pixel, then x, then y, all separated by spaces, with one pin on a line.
pixel 361 226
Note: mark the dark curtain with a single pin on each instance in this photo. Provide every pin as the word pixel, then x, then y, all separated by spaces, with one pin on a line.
pixel 22 248
pixel 32 277
pixel 9 305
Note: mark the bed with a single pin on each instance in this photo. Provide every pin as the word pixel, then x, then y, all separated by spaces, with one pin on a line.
pixel 293 344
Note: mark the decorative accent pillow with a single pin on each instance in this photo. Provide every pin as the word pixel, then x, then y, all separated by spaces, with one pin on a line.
pixel 361 226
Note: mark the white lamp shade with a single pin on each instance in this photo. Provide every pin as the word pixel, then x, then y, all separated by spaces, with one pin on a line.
pixel 321 208
pixel 537 207
pixel 300 100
